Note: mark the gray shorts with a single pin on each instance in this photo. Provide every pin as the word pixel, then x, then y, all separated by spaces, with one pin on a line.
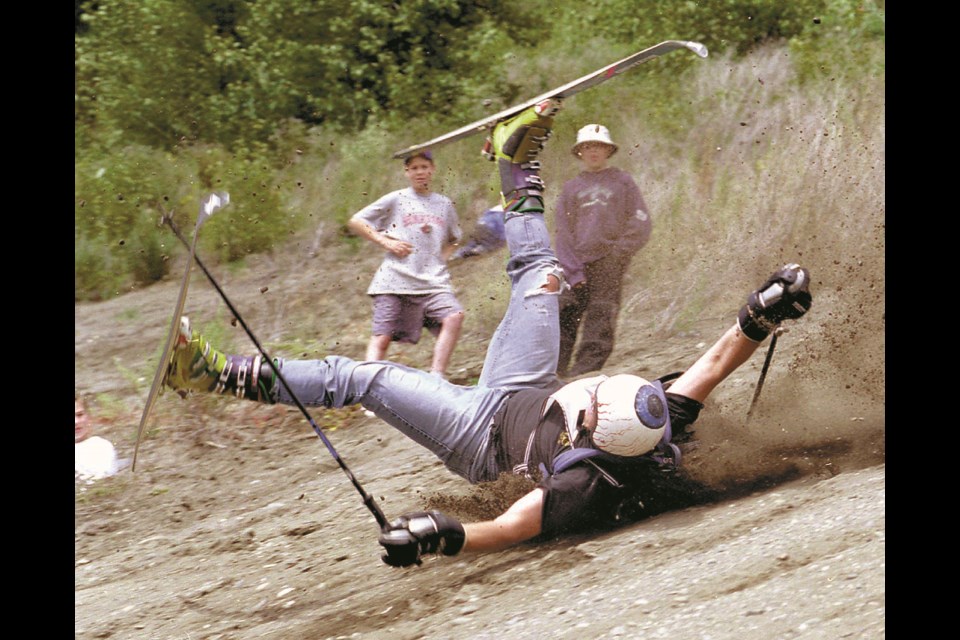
pixel 403 317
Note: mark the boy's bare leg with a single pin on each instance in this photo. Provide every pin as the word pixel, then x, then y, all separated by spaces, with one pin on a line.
pixel 377 347
pixel 450 328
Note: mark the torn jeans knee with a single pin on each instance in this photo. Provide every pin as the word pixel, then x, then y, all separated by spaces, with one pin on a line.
pixel 547 286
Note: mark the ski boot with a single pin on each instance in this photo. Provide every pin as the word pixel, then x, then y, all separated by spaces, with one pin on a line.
pixel 515 144
pixel 197 366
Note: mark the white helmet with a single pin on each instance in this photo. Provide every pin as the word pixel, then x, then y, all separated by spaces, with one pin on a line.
pixel 631 415
pixel 593 133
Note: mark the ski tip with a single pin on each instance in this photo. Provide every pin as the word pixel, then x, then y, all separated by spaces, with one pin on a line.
pixel 697 48
pixel 214 202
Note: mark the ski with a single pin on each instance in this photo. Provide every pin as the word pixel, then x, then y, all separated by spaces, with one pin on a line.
pixel 208 206
pixel 561 93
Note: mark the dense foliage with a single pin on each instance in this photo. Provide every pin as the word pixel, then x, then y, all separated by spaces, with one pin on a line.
pixel 732 24
pixel 158 72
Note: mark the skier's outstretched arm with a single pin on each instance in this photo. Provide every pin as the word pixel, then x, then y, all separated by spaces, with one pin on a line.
pixel 414 534
pixel 719 361
pixel 784 296
pixel 520 522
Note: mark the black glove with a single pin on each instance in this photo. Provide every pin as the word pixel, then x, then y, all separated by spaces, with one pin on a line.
pixel 784 296
pixel 414 534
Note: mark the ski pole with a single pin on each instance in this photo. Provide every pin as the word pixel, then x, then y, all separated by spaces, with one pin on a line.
pixel 367 498
pixel 763 371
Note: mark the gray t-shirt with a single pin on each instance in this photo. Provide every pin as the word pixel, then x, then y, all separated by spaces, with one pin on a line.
pixel 428 223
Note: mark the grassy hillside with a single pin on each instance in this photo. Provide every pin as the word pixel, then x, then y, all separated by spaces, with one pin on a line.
pixel 751 170
pixel 746 164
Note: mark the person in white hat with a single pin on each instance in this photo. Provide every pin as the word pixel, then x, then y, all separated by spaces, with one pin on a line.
pixel 94 457
pixel 601 222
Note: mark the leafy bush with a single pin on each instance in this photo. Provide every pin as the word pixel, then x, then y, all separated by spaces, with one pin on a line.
pixel 845 40
pixel 255 219
pixel 94 272
pixel 164 71
pixel 146 259
pixel 118 199
pixel 143 73
pixel 826 33
pixel 719 24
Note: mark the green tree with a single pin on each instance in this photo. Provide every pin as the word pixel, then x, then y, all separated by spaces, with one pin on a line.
pixel 142 73
pixel 739 25
pixel 160 72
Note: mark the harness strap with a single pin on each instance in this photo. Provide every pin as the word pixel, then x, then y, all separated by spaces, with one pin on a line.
pixel 566 459
pixel 523 469
pixel 669 455
pixel 569 457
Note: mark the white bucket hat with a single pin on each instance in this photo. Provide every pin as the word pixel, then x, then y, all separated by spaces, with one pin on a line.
pixel 593 133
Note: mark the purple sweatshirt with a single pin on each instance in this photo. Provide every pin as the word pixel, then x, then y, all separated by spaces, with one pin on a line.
pixel 599 214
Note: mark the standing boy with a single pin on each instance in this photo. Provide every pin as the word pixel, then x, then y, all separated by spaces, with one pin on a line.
pixel 601 222
pixel 418 229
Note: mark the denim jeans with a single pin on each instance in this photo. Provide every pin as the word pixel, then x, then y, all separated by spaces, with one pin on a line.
pixel 453 421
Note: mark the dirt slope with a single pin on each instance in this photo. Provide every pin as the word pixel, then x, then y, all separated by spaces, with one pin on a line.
pixel 238 523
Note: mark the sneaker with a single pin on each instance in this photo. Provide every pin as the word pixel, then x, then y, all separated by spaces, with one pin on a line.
pixel 520 139
pixel 195 365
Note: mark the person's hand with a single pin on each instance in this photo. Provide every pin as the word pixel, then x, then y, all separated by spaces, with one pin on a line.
pixel 398 248
pixel 414 534
pixel 784 296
